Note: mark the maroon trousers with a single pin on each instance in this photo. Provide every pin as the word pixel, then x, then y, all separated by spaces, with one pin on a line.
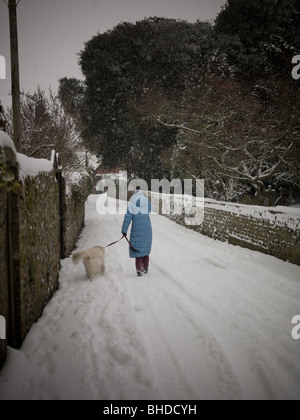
pixel 142 263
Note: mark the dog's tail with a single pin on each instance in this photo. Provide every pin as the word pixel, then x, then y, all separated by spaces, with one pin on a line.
pixel 78 256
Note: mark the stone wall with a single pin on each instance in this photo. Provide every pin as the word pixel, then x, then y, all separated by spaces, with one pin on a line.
pixel 272 231
pixel 38 226
pixel 36 251
pixel 3 269
pixel 73 222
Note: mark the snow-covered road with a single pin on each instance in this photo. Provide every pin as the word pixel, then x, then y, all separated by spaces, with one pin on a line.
pixel 210 321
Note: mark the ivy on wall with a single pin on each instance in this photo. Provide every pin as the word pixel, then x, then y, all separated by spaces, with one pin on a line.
pixel 82 189
pixel 7 177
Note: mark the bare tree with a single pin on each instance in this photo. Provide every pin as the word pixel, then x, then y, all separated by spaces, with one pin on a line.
pixel 46 127
pixel 225 133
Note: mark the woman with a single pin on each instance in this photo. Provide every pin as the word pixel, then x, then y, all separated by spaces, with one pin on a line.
pixel 137 213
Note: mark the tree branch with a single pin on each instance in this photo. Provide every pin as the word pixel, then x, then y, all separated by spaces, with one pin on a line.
pixel 244 176
pixel 179 127
pixel 45 146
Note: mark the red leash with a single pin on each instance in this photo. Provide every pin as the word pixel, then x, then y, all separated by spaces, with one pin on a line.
pixel 114 243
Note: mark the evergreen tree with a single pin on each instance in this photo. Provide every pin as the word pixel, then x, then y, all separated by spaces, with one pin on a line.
pixel 269 32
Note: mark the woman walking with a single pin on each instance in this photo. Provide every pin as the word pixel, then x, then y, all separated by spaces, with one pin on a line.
pixel 138 213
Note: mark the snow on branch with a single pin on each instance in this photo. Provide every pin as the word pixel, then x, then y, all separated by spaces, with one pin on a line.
pixel 179 127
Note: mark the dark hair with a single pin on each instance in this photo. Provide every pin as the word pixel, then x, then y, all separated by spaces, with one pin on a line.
pixel 138 188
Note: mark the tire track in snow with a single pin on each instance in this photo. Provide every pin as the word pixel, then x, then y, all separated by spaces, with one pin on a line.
pixel 253 330
pixel 202 337
pixel 235 364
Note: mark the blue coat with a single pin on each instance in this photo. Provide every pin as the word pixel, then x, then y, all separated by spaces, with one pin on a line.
pixel 138 212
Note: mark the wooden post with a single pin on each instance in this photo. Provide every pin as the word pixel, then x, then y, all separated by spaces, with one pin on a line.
pixel 15 74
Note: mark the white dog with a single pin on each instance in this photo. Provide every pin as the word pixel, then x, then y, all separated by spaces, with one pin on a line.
pixel 93 259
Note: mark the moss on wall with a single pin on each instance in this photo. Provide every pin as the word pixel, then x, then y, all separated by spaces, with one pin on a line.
pixel 36 253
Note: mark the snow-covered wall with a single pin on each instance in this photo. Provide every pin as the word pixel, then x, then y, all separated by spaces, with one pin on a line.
pixel 72 220
pixel 27 166
pixel 36 230
pixel 36 252
pixel 30 234
pixel 271 230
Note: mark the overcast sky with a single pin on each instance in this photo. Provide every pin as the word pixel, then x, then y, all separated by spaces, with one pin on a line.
pixel 52 32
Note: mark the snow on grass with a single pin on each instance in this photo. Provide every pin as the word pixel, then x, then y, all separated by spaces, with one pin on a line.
pixel 210 321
